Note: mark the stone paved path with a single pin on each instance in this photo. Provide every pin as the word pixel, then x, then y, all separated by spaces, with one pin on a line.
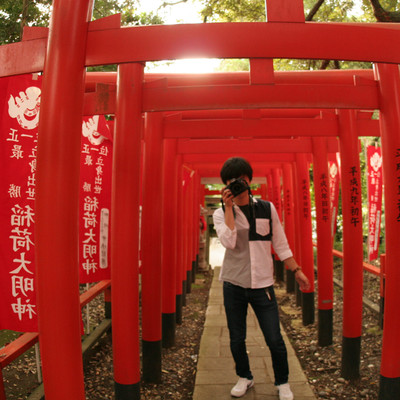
pixel 215 371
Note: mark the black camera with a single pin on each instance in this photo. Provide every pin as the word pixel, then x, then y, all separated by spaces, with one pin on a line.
pixel 237 186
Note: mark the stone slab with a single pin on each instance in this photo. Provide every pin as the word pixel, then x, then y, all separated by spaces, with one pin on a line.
pixel 218 392
pixel 215 363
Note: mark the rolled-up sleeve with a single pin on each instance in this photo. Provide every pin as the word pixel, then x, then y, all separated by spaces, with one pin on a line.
pixel 224 233
pixel 279 241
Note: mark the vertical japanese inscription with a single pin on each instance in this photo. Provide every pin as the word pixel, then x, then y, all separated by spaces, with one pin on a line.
pixel 354 196
pixel 306 199
pixel 18 184
pixel 323 181
pixel 374 185
pixel 95 199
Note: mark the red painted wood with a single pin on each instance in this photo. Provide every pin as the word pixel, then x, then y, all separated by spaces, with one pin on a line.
pixel 152 228
pixel 352 225
pixel 170 224
pixel 23 57
pixel 288 205
pixel 285 11
pixel 322 205
pixel 304 231
pixel 258 158
pixel 259 96
pixel 273 127
pixel 315 40
pixel 277 190
pixel 247 145
pixel 93 292
pixel 125 225
pixel 57 195
pixel 180 276
pixel 17 347
pixel 388 76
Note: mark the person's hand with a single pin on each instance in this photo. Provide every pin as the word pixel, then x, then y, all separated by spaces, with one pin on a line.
pixel 227 197
pixel 302 280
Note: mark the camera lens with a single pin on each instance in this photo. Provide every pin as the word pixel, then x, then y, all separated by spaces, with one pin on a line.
pixel 236 188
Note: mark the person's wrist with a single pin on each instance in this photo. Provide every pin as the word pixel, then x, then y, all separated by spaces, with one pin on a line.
pixel 297 269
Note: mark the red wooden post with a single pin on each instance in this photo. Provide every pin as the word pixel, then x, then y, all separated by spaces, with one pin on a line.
pixel 169 243
pixel 389 89
pixel 202 193
pixel 276 185
pixel 305 234
pixel 270 189
pixel 352 244
pixel 285 11
pixel 196 224
pixel 296 209
pixel 2 389
pixel 188 223
pixel 277 200
pixel 264 191
pixel 125 231
pixel 179 233
pixel 191 228
pixel 289 220
pixel 297 206
pixel 324 241
pixel 151 247
pixel 382 280
pixel 57 199
pixel 183 237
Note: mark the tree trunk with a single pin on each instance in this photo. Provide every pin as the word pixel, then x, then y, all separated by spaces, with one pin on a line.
pixel 25 6
pixel 382 15
pixel 314 10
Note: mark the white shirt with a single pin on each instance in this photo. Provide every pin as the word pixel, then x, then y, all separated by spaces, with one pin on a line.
pixel 248 261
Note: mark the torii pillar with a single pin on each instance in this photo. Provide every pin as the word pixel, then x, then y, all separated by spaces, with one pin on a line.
pixel 324 241
pixel 352 244
pixel 289 220
pixel 180 288
pixel 151 247
pixel 125 231
pixel 169 243
pixel 389 91
pixel 305 235
pixel 57 199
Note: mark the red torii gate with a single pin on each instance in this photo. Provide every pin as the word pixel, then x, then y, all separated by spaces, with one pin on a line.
pixel 73 43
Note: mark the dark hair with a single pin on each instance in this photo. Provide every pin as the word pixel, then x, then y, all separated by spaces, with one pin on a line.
pixel 234 168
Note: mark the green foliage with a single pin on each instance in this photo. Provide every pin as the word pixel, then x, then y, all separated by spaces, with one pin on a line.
pixel 233 10
pixel 38 14
pixel 127 9
pixel 11 17
pixel 330 10
pixel 241 64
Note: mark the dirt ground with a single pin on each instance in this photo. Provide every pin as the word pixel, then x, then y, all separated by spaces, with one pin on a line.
pixel 321 365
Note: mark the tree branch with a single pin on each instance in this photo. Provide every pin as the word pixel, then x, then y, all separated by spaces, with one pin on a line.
pixel 165 4
pixel 314 10
pixel 325 64
pixel 382 15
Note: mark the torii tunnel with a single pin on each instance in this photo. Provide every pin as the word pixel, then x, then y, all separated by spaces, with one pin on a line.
pixel 277 120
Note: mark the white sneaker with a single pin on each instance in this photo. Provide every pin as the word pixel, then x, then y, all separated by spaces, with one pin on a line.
pixel 241 387
pixel 284 392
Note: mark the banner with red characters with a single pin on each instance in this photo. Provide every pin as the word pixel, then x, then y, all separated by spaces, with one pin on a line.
pixel 19 129
pixel 374 186
pixel 95 200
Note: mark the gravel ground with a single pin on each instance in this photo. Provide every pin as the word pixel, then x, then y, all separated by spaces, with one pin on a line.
pixel 321 365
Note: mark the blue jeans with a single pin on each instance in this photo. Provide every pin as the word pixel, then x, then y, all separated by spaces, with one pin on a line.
pixel 236 300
